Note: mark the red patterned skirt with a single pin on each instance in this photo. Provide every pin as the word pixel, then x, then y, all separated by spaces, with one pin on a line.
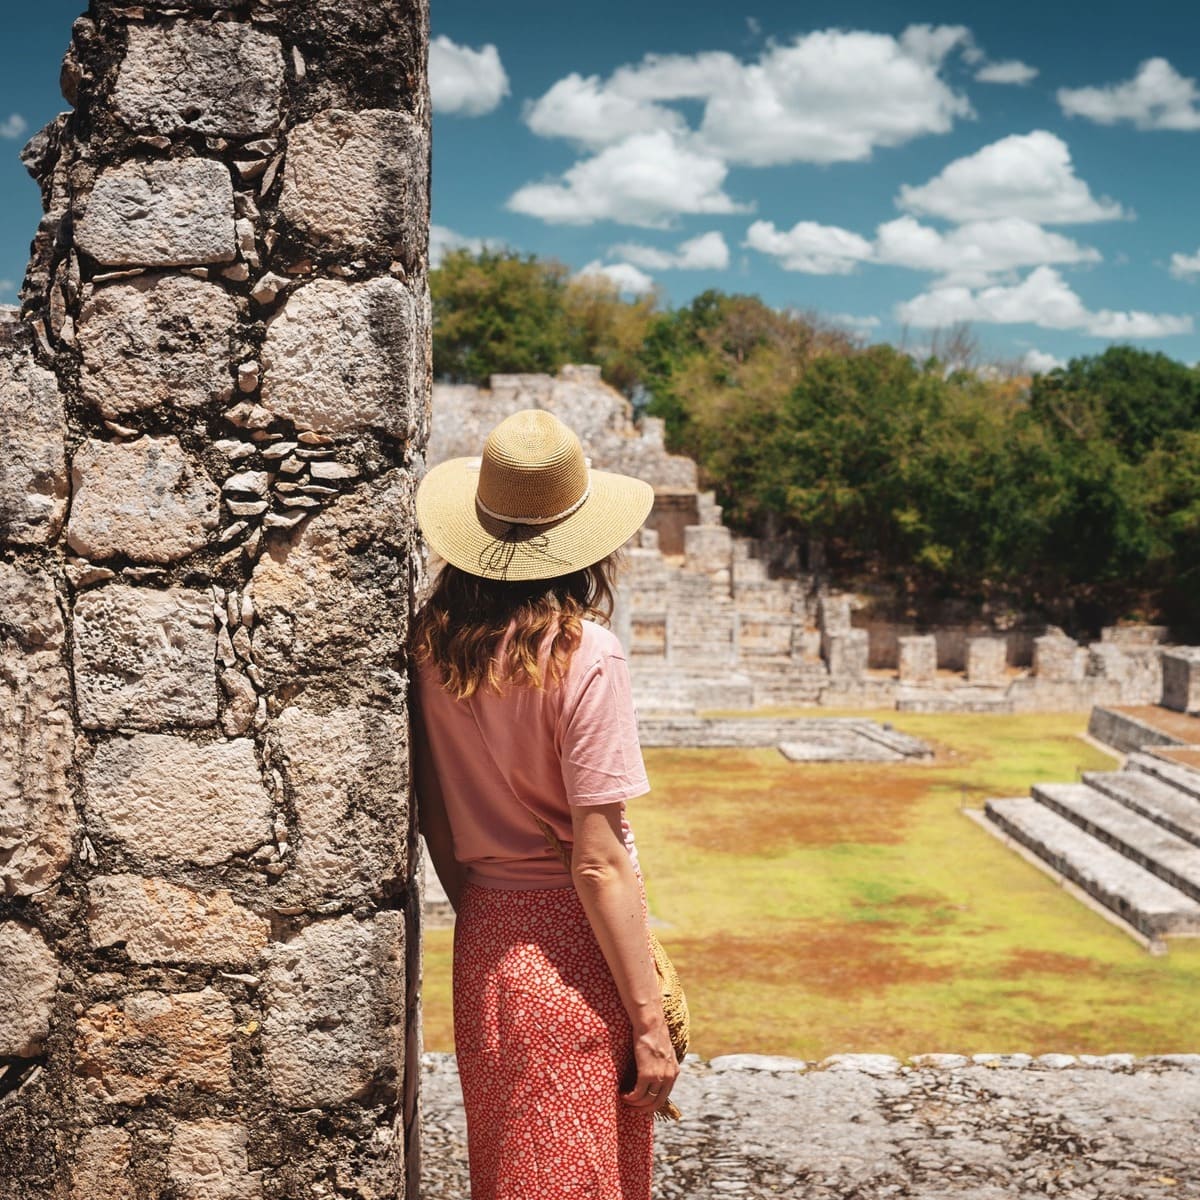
pixel 544 1046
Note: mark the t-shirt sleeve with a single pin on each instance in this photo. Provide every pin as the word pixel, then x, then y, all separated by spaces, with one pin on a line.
pixel 601 756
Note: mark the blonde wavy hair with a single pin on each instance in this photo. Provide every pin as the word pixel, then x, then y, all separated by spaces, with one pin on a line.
pixel 465 617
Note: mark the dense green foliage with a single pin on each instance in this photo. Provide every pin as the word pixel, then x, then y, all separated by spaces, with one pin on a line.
pixel 1078 491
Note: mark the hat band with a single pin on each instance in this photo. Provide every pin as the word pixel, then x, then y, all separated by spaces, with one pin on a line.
pixel 558 516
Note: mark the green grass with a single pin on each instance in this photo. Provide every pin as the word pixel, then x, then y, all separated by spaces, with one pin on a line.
pixel 814 909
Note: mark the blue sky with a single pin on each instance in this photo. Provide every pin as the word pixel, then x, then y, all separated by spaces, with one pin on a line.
pixel 897 167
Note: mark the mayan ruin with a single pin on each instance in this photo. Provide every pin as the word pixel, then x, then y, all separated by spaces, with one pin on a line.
pixel 212 398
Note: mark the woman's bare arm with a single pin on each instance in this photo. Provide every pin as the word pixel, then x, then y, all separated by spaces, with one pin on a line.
pixel 432 821
pixel 611 896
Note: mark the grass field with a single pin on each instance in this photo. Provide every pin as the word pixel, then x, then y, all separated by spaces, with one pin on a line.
pixel 815 909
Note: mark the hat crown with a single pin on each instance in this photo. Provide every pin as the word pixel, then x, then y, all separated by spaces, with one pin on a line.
pixel 532 466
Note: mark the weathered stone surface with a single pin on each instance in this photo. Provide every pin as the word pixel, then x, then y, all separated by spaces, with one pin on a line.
pixel 207 1161
pixel 333 1025
pixel 154 1043
pixel 165 798
pixel 33 472
pixel 965 1132
pixel 214 77
pixel 144 658
pixel 347 775
pixel 156 339
pixel 918 659
pixel 349 184
pixel 332 600
pixel 159 921
pixel 37 817
pixel 342 357
pixel 28 981
pixel 1181 679
pixel 101 1170
pixel 987 659
pixel 1058 658
pixel 161 213
pixel 143 499
pixel 847 654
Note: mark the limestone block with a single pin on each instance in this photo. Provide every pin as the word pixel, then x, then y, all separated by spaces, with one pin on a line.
pixel 918 658
pixel 156 339
pixel 159 921
pixel 1181 679
pixel 707 548
pixel 161 213
pixel 33 469
pixel 207 1161
pixel 143 499
pixel 334 598
pixel 1058 659
pixel 847 654
pixel 334 1024
pixel 216 78
pixel 355 182
pixel 165 798
pixel 343 357
pixel 28 981
pixel 144 658
pixel 347 775
pixel 101 1169
pixel 987 659
pixel 37 818
pixel 154 1043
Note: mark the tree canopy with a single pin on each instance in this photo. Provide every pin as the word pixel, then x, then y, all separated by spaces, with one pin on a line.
pixel 1077 491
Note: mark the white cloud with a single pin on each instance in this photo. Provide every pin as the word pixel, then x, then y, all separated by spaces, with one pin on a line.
pixel 1184 266
pixel 588 112
pixel 974 252
pixel 856 324
pixel 645 180
pixel 1012 71
pixel 1038 362
pixel 1042 298
pixel 707 252
pixel 1157 97
pixel 13 126
pixel 810 247
pixel 628 279
pixel 463 81
pixel 6 286
pixel 971 254
pixel 828 96
pixel 442 240
pixel 1024 175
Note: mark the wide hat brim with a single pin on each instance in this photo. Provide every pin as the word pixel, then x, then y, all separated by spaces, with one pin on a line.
pixel 461 533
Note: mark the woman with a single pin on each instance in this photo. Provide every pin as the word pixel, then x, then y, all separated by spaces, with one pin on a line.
pixel 524 723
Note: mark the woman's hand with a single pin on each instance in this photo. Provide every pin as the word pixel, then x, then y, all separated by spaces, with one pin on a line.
pixel 657 1070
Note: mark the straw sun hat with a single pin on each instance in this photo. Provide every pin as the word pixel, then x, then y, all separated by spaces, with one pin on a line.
pixel 531 507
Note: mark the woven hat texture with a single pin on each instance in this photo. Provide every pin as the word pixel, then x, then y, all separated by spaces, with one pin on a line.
pixel 529 507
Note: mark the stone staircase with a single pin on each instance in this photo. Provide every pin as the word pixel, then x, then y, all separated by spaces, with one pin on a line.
pixel 1130 839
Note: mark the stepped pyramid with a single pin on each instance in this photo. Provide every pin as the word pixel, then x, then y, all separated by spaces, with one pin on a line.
pixel 1128 839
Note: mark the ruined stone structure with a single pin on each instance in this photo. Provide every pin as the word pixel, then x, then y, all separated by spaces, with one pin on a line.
pixel 210 403
pixel 708 622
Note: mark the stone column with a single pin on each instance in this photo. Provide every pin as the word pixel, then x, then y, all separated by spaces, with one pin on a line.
pixel 917 661
pixel 212 406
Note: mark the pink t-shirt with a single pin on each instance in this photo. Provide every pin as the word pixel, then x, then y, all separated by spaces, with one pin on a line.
pixel 572 742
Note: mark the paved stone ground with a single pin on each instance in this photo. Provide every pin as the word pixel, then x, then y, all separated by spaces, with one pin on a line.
pixel 866 1127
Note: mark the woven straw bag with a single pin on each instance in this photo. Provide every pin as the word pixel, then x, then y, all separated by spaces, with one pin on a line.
pixel 675 1008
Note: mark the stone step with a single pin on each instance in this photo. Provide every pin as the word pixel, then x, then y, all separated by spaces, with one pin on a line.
pixel 1148 844
pixel 1154 798
pixel 1125 731
pixel 1182 778
pixel 1140 897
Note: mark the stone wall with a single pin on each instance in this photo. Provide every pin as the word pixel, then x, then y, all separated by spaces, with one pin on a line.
pixel 709 624
pixel 211 402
